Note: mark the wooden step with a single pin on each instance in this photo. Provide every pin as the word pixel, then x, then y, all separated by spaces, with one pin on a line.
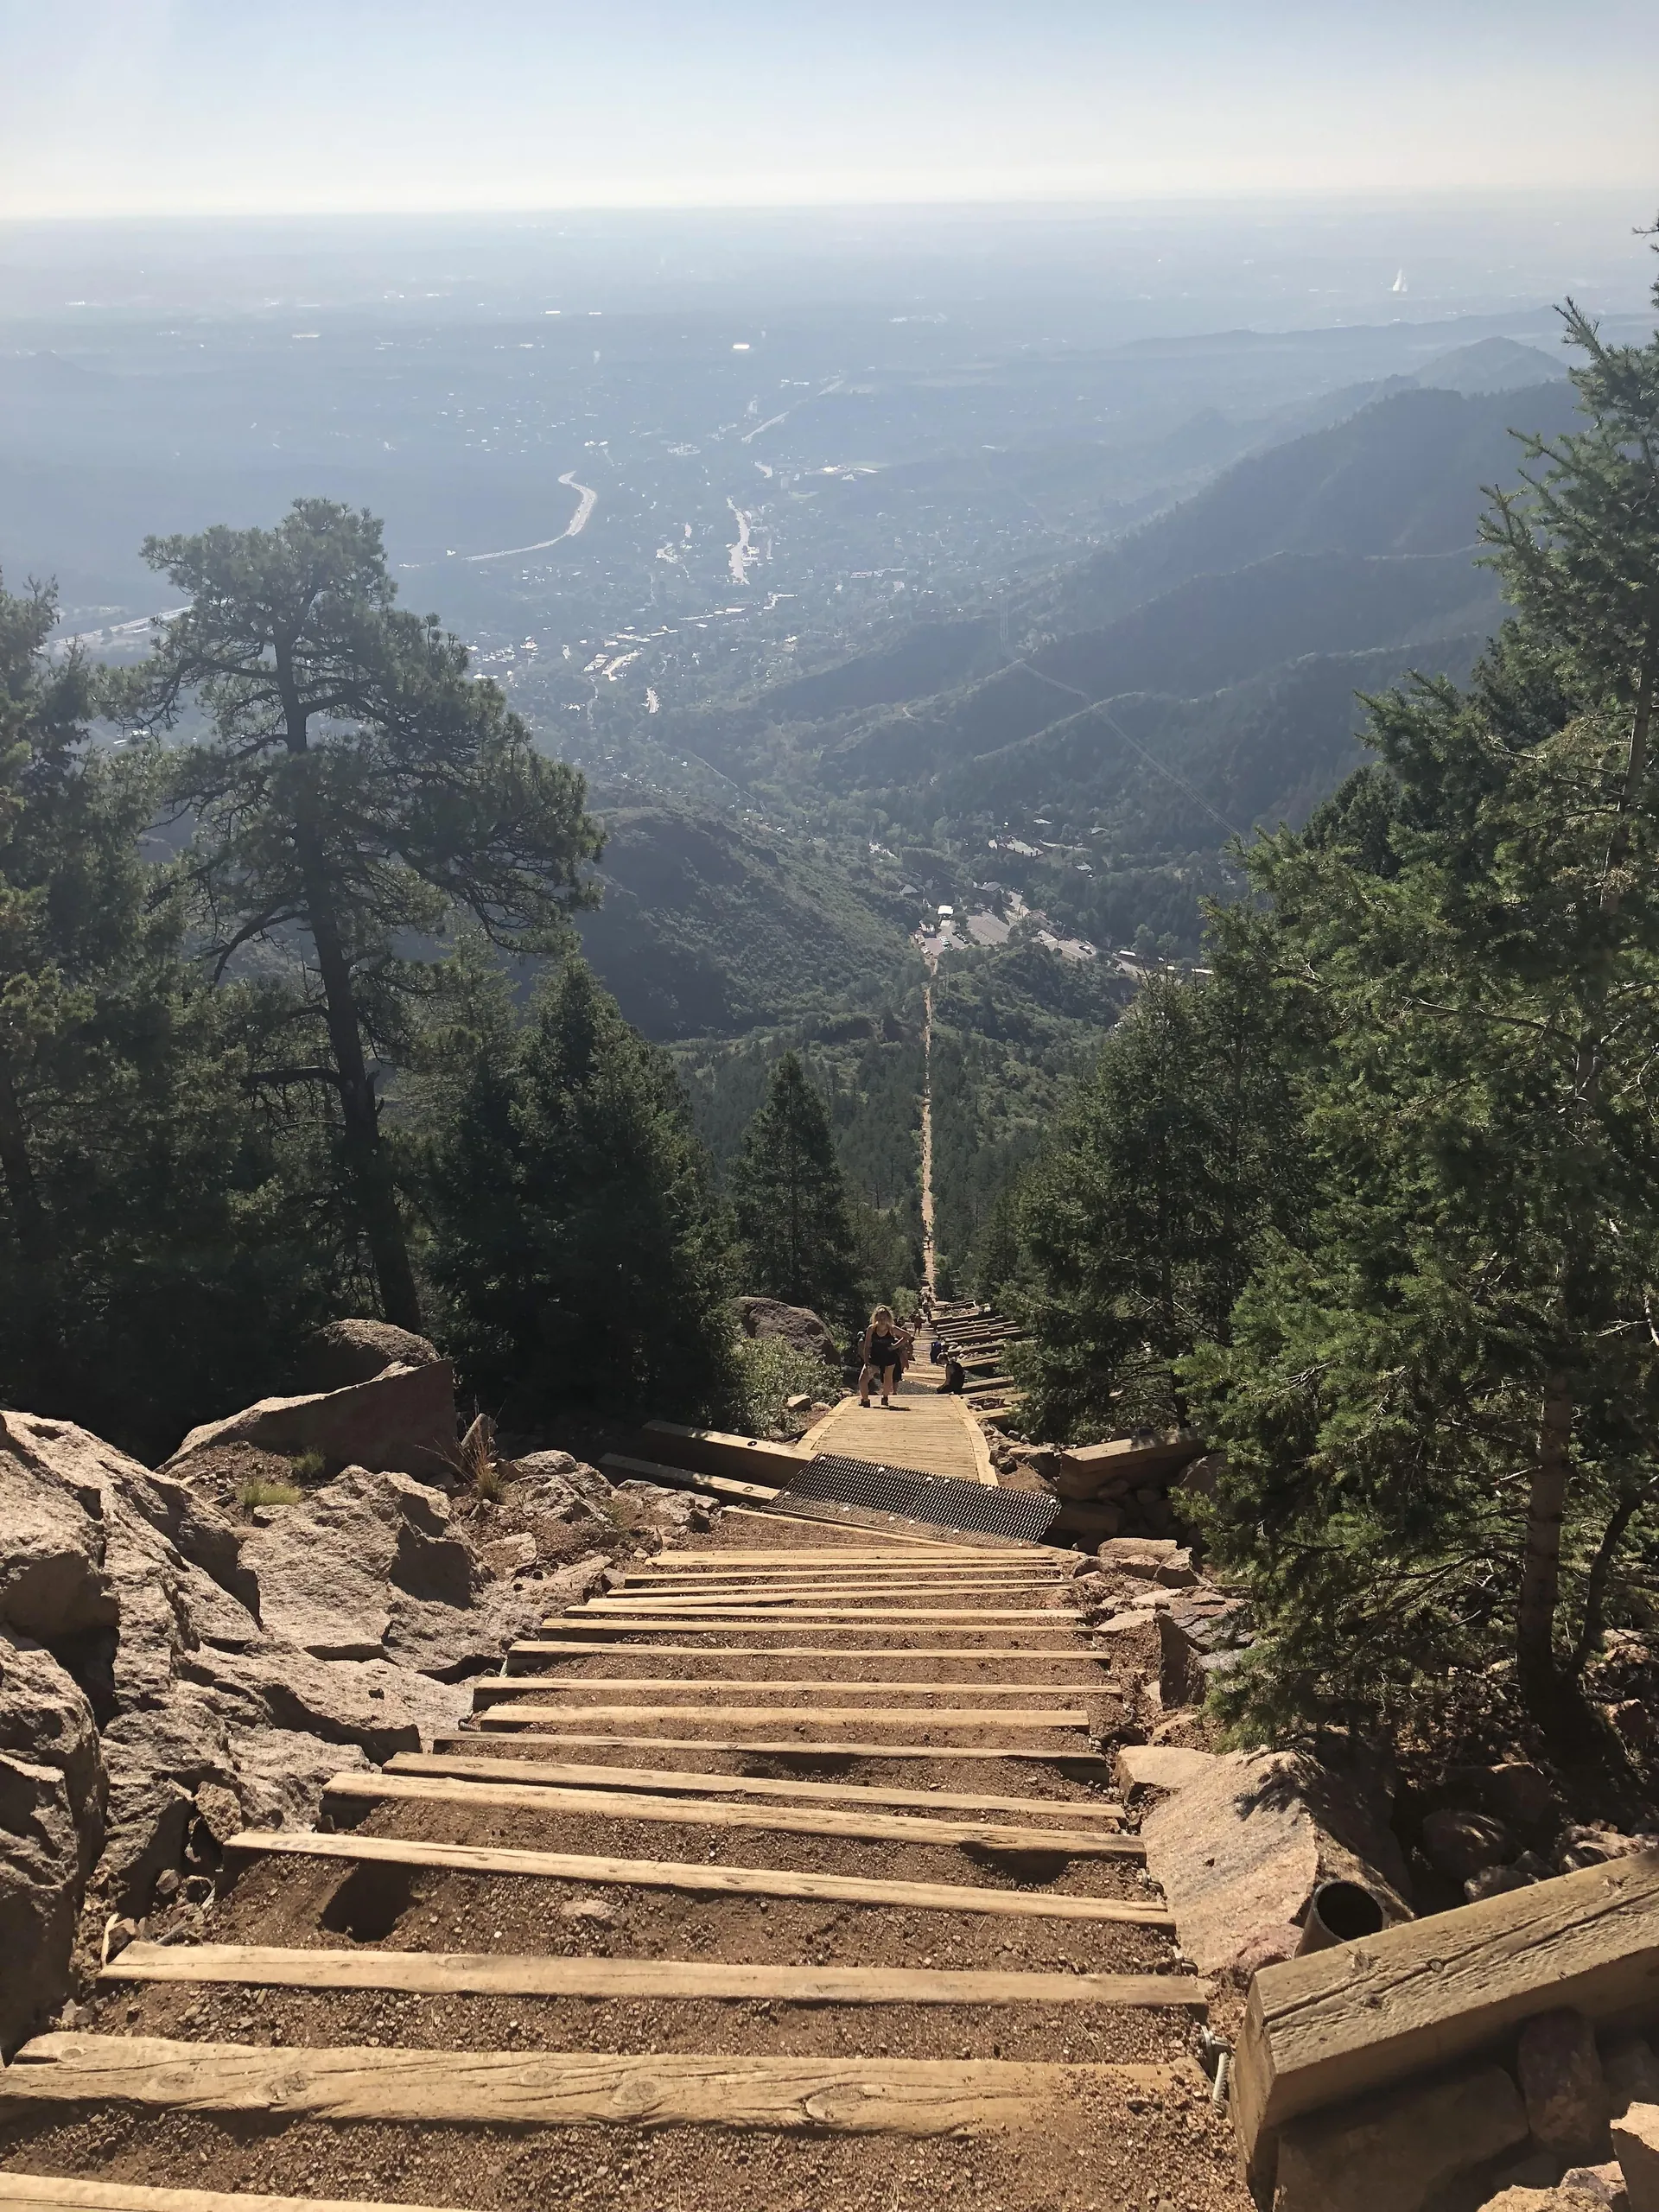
pixel 355 1788
pixel 613 1630
pixel 850 2096
pixel 499 1686
pixel 709 1611
pixel 650 1610
pixel 786 1566
pixel 500 1718
pixel 821 1716
pixel 51 2193
pixel 533 1648
pixel 707 1881
pixel 672 1781
pixel 484 1973
pixel 772 1589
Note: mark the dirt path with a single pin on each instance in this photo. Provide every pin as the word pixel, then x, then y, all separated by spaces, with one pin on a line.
pixel 680 2029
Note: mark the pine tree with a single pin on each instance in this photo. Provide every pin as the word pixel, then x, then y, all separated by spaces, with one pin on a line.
pixel 359 788
pixel 1440 1411
pixel 791 1201
pixel 578 1247
pixel 1139 1223
pixel 157 1247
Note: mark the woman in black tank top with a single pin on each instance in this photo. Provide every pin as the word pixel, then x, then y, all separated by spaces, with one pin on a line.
pixel 880 1354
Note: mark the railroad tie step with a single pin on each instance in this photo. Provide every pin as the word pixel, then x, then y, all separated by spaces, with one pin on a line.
pixel 53 2193
pixel 825 2095
pixel 353 1792
pixel 486 1973
pixel 695 1877
pixel 1083 1765
pixel 672 1781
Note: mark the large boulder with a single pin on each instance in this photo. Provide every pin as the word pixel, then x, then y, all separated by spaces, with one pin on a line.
pixel 1240 1847
pixel 799 1325
pixel 402 1419
pixel 367 1567
pixel 51 1830
pixel 356 1351
pixel 1395 2152
pixel 158 1656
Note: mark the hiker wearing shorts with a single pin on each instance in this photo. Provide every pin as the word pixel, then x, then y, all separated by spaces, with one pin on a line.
pixel 882 1354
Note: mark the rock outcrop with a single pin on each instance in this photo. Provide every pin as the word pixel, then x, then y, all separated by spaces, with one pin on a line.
pixel 51 1827
pixel 169 1673
pixel 1240 1848
pixel 400 1421
pixel 799 1325
pixel 356 1351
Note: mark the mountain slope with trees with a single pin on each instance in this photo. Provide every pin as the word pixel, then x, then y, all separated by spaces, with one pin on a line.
pixel 1427 1344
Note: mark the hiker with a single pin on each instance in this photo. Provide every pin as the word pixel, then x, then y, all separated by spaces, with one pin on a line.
pixel 881 1353
pixel 935 1352
pixel 956 1376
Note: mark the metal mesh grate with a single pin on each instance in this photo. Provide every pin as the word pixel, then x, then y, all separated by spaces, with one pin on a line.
pixel 939 1499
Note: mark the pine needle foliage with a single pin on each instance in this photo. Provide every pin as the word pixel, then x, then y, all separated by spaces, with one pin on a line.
pixel 577 1250
pixel 790 1198
pixel 1441 1406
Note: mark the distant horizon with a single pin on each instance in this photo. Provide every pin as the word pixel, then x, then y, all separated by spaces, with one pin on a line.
pixel 1467 199
pixel 122 109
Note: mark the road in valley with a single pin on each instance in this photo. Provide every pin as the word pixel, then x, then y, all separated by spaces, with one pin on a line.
pixel 586 504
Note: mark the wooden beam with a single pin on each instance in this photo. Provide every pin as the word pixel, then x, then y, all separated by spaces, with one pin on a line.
pixel 486 1973
pixel 535 1648
pixel 53 2193
pixel 756 1623
pixel 704 1880
pixel 623 1469
pixel 821 1716
pixel 811 1580
pixel 719 1452
pixel 838 1590
pixel 1028 1559
pixel 357 1788
pixel 956 1541
pixel 649 1610
pixel 967 1557
pixel 1431 1992
pixel 1050 1754
pixel 557 2088
pixel 673 1781
pixel 489 1691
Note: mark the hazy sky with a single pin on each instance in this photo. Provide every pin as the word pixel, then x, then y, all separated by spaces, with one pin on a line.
pixel 201 106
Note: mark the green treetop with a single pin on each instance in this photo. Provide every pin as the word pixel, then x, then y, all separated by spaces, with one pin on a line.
pixel 578 1249
pixel 356 789
pixel 790 1200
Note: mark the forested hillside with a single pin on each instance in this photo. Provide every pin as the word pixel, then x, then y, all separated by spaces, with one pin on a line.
pixel 1372 1205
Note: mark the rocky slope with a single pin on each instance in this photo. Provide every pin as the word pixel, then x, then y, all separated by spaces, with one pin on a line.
pixel 175 1662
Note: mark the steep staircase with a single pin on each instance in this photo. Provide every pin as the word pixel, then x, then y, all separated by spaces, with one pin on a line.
pixel 788 1871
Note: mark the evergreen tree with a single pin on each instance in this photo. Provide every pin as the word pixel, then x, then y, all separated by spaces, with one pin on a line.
pixel 791 1201
pixel 580 1253
pixel 156 1255
pixel 358 789
pixel 1440 1414
pixel 1140 1221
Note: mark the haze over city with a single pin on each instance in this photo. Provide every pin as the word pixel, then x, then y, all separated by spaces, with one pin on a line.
pixel 142 107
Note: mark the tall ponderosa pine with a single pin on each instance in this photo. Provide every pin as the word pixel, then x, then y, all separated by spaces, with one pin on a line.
pixel 152 1259
pixel 359 789
pixel 1139 1223
pixel 791 1201
pixel 578 1247
pixel 1442 1414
